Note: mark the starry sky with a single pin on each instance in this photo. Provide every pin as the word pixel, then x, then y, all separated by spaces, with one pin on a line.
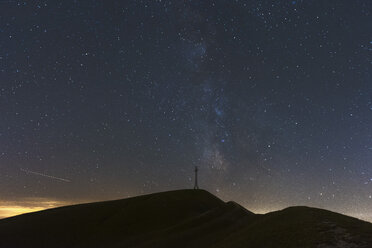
pixel 272 100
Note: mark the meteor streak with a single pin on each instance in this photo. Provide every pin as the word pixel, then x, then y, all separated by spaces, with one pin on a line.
pixel 45 175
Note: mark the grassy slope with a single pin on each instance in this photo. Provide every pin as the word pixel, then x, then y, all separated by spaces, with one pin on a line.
pixel 303 227
pixel 183 218
pixel 204 230
pixel 104 222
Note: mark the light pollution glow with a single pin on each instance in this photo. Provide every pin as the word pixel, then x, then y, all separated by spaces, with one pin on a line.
pixel 27 205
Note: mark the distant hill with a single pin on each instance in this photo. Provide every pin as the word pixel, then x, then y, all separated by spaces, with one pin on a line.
pixel 182 218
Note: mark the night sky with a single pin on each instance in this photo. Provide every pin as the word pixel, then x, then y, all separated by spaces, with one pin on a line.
pixel 110 99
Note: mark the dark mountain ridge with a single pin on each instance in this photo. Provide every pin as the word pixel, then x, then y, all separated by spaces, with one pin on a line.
pixel 182 218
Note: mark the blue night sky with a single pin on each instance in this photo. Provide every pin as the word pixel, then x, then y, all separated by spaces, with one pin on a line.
pixel 272 100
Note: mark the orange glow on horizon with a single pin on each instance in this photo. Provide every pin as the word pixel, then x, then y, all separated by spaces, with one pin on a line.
pixel 13 208
pixel 10 211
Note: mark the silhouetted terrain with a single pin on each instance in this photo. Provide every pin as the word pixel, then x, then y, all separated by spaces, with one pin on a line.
pixel 183 218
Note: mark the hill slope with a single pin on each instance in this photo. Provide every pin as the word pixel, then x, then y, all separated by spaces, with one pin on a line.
pixel 183 218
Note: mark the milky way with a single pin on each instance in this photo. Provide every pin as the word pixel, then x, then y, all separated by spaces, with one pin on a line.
pixel 271 99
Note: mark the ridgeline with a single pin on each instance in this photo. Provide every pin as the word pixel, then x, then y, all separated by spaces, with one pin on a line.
pixel 182 218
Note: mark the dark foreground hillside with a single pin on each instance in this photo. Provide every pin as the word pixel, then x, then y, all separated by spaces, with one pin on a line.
pixel 183 218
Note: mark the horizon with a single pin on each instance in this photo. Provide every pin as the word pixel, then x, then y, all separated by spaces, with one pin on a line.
pixel 12 209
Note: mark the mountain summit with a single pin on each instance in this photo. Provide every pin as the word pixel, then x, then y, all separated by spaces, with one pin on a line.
pixel 182 218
